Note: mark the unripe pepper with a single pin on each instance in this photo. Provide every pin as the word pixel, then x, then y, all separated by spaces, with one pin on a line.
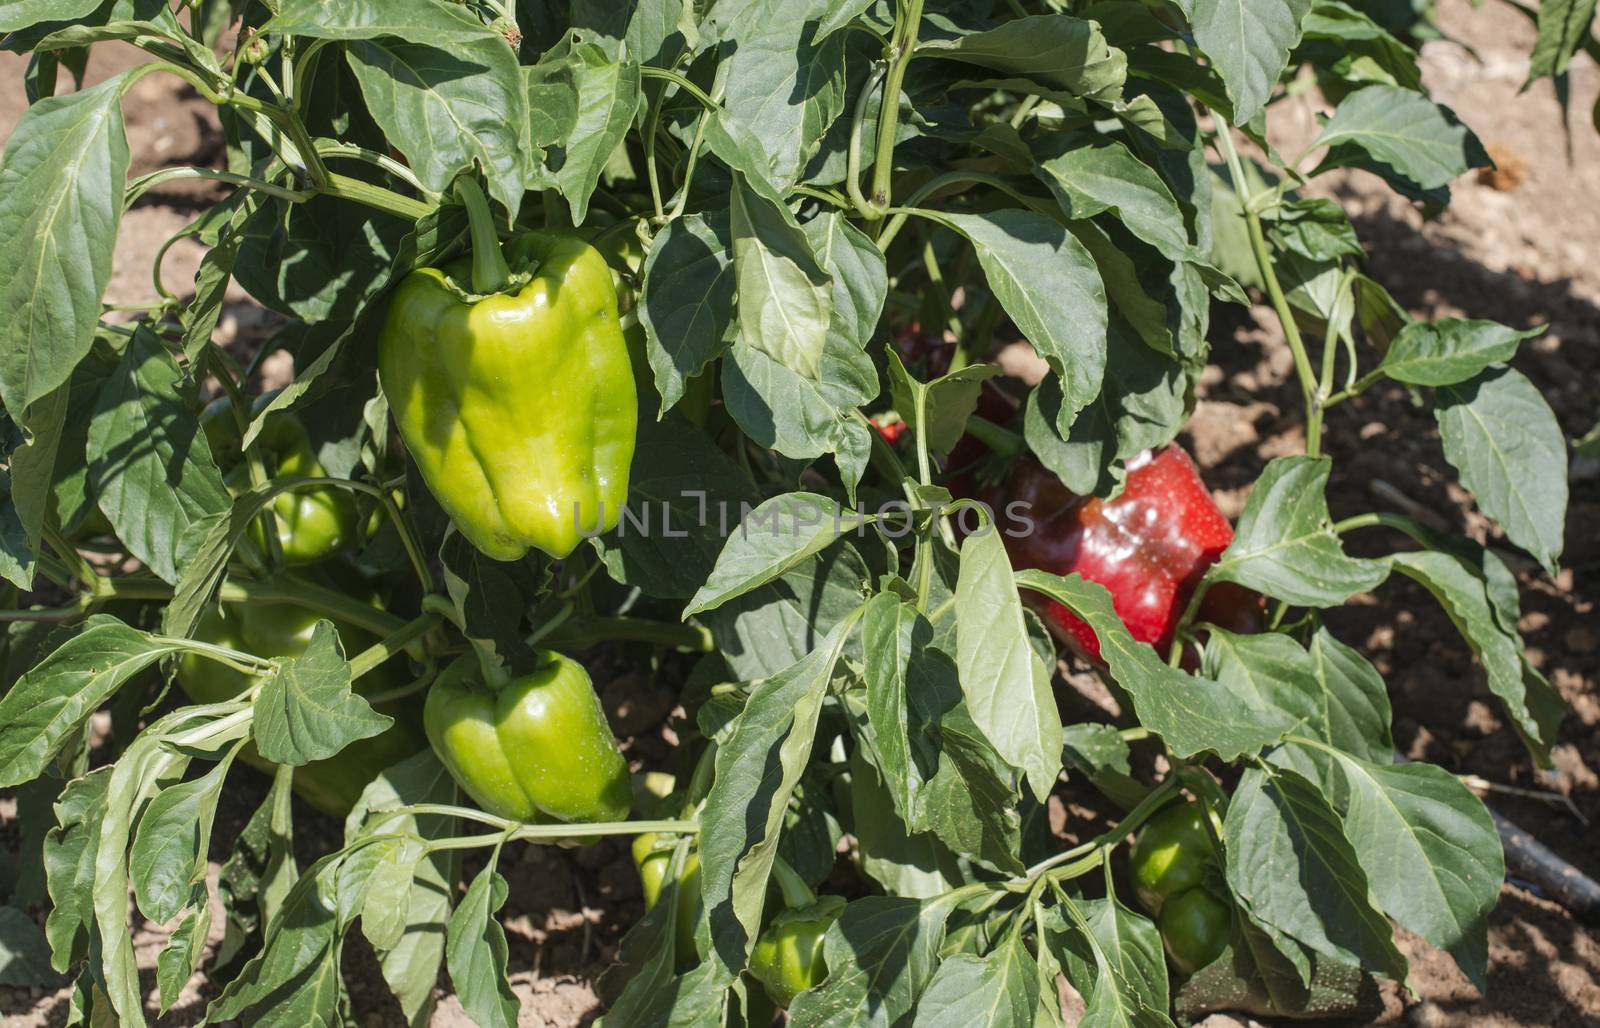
pixel 332 785
pixel 652 855
pixel 313 524
pixel 537 744
pixel 1149 547
pixel 512 388
pixel 1169 864
pixel 788 957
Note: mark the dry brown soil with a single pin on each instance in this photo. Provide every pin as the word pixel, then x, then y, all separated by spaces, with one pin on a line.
pixel 1520 246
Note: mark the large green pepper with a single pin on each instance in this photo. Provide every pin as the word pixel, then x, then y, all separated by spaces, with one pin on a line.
pixel 536 745
pixel 283 630
pixel 513 391
pixel 313 524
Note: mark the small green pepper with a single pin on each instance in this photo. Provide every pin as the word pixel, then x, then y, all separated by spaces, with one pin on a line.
pixel 788 957
pixel 652 854
pixel 1194 927
pixel 1171 854
pixel 538 743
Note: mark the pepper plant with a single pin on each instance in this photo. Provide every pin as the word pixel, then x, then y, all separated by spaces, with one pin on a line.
pixel 780 207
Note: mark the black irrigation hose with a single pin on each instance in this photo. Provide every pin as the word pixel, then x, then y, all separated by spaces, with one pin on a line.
pixel 1532 861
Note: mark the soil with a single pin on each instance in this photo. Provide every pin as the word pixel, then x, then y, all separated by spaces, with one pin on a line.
pixel 1519 245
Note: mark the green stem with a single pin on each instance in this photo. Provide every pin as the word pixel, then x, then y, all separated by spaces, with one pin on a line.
pixel 558 832
pixel 651 72
pixel 1269 276
pixel 853 151
pixel 392 644
pixel 1361 385
pixel 1002 441
pixel 1375 519
pixel 579 634
pixel 489 271
pixel 938 182
pixel 901 46
pixel 143 184
pixel 1148 806
pixel 335 148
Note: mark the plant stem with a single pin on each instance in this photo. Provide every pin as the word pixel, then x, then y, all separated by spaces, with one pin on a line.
pixel 336 148
pixel 553 833
pixel 489 271
pixel 901 46
pixel 580 634
pixel 392 644
pixel 682 81
pixel 139 186
pixel 1002 441
pixel 853 151
pixel 1376 519
pixel 1269 276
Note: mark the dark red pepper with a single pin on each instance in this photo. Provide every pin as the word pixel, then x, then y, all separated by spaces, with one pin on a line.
pixel 1149 547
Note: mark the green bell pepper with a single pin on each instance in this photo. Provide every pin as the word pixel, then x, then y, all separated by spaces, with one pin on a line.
pixel 313 524
pixel 512 389
pixel 652 854
pixel 788 957
pixel 535 745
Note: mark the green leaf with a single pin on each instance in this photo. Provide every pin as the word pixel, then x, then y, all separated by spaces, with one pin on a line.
pixel 784 297
pixel 686 305
pixel 169 852
pixel 61 183
pixel 1465 598
pixel 69 853
pixel 1091 179
pixel 941 771
pixel 21 14
pixel 417 21
pixel 773 539
pixel 947 402
pixel 1285 545
pixel 1248 42
pixel 1430 851
pixel 1450 350
pixel 294 980
pixel 1355 704
pixel 181 957
pixel 411 962
pixel 765 631
pixel 1564 29
pixel 1192 715
pixel 306 711
pixel 1048 283
pixel 880 955
pixel 1113 956
pixel 150 467
pixel 48 705
pixel 1142 405
pixel 1500 434
pixel 476 952
pixel 1278 820
pixel 1006 685
pixel 448 110
pixel 998 989
pixel 321 260
pixel 684 496
pixel 1053 49
pixel 1316 228
pixel 607 98
pixel 24 953
pixel 1409 139
pixel 757 768
pixel 784 78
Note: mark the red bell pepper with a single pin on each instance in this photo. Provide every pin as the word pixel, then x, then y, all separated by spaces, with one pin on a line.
pixel 1149 547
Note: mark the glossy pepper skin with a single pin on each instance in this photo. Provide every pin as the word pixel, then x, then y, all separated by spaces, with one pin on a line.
pixel 519 408
pixel 1149 547
pixel 788 959
pixel 283 630
pixel 652 855
pixel 1169 863
pixel 537 747
pixel 313 524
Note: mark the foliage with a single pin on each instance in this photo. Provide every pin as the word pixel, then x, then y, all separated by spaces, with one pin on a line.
pixel 798 184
